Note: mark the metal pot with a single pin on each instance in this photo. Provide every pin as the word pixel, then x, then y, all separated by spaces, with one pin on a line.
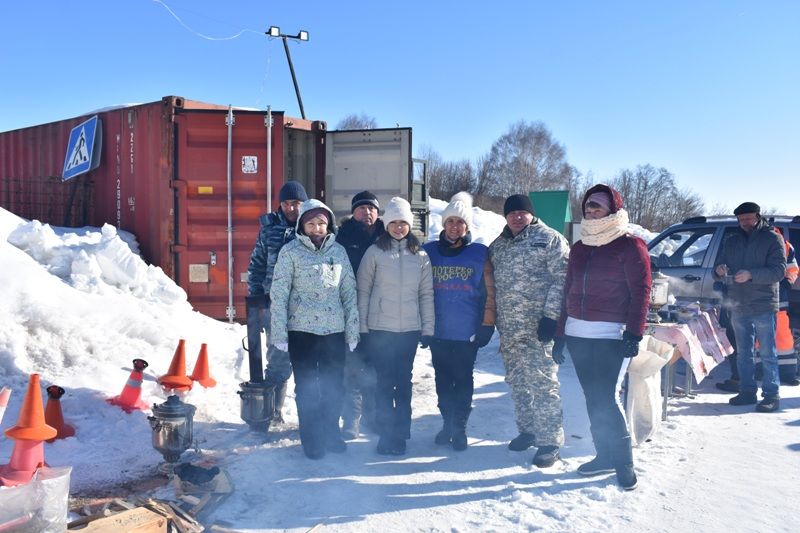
pixel 172 424
pixel 258 404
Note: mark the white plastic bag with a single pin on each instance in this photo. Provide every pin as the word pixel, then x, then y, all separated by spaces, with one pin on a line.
pixel 643 408
pixel 39 506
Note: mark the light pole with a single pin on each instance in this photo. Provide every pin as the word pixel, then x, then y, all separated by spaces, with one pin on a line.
pixel 275 31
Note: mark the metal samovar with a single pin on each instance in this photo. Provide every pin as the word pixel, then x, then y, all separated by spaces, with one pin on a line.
pixel 172 424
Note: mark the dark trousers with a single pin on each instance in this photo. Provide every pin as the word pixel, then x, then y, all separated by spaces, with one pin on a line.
pixel 600 367
pixel 359 387
pixel 318 365
pixel 393 356
pixel 725 322
pixel 453 363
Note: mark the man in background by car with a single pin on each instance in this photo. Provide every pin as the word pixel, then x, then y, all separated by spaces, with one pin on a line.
pixel 752 262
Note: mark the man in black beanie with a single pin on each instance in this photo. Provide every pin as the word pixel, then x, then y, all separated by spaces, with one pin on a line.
pixel 754 262
pixel 277 228
pixel 530 266
pixel 356 234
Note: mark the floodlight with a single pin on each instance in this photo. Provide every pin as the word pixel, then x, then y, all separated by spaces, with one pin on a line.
pixel 274 31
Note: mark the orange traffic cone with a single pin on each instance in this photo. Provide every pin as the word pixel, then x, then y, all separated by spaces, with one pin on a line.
pixel 53 415
pixel 201 373
pixel 5 394
pixel 176 377
pixel 30 431
pixel 130 399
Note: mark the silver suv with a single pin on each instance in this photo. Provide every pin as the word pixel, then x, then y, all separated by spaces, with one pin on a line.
pixel 686 253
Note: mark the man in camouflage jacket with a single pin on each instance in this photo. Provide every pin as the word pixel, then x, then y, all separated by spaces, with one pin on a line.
pixel 530 265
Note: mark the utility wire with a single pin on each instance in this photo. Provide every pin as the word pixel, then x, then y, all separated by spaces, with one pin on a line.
pixel 171 12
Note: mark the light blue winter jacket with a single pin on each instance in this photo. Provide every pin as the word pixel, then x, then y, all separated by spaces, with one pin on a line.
pixel 313 290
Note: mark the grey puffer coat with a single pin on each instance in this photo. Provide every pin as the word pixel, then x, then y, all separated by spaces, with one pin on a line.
pixel 313 290
pixel 395 290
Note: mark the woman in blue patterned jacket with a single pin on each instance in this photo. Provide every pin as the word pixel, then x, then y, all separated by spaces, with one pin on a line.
pixel 315 318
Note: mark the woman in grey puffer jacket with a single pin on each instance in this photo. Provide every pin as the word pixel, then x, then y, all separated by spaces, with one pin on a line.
pixel 314 317
pixel 395 305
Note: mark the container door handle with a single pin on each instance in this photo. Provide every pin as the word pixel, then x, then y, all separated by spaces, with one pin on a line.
pixel 689 277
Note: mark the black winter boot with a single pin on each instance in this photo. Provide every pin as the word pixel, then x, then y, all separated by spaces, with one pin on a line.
pixel 623 464
pixel 460 430
pixel 445 435
pixel 545 456
pixel 280 397
pixel 459 440
pixel 351 428
pixel 744 398
pixel 522 442
pixel 597 466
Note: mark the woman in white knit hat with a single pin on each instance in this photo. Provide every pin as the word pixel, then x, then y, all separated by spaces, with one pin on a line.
pixel 395 305
pixel 463 295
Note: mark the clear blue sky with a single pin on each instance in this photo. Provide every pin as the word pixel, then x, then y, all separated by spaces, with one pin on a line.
pixel 708 89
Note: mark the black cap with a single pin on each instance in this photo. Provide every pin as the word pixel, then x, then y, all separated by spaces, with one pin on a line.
pixel 518 202
pixel 747 207
pixel 364 198
pixel 292 190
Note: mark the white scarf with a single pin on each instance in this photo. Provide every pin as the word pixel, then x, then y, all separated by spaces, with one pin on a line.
pixel 604 230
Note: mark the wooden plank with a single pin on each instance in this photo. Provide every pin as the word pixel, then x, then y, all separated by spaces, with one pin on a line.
pixel 138 520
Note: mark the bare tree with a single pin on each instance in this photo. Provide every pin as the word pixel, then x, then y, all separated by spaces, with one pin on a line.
pixel 578 186
pixel 446 178
pixel 526 158
pixel 652 198
pixel 357 122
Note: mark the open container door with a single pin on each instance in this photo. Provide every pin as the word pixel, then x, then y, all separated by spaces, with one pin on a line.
pixel 378 160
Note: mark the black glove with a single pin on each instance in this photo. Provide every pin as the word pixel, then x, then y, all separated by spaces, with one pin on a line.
pixel 546 330
pixel 484 335
pixel 558 350
pixel 630 344
pixel 425 341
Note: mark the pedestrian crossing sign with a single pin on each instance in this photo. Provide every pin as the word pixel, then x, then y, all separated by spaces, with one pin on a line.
pixel 83 148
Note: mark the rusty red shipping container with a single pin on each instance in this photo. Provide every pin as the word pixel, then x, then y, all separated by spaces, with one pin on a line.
pixel 162 176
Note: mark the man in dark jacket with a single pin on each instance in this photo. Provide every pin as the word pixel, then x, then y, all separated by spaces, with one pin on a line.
pixel 357 234
pixel 277 228
pixel 751 263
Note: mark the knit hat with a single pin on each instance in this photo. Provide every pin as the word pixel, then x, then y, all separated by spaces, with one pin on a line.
pixel 398 209
pixel 316 211
pixel 747 207
pixel 460 206
pixel 610 199
pixel 601 199
pixel 518 202
pixel 364 198
pixel 292 190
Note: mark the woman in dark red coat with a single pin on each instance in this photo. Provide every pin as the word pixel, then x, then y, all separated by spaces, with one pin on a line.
pixel 606 296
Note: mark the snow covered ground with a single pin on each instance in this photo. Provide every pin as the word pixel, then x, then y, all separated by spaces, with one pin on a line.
pixel 78 306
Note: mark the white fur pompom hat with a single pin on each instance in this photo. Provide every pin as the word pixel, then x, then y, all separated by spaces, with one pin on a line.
pixel 398 209
pixel 460 206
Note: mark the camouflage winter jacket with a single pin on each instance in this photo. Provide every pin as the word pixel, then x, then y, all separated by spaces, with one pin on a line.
pixel 529 273
pixel 313 290
pixel 275 232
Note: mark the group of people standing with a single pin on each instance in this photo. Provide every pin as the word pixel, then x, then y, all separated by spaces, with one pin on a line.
pixel 347 301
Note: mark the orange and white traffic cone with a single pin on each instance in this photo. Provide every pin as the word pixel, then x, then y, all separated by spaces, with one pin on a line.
pixel 130 399
pixel 176 378
pixel 53 415
pixel 201 373
pixel 5 394
pixel 29 433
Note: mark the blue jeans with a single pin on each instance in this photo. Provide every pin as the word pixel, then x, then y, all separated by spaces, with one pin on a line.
pixel 747 329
